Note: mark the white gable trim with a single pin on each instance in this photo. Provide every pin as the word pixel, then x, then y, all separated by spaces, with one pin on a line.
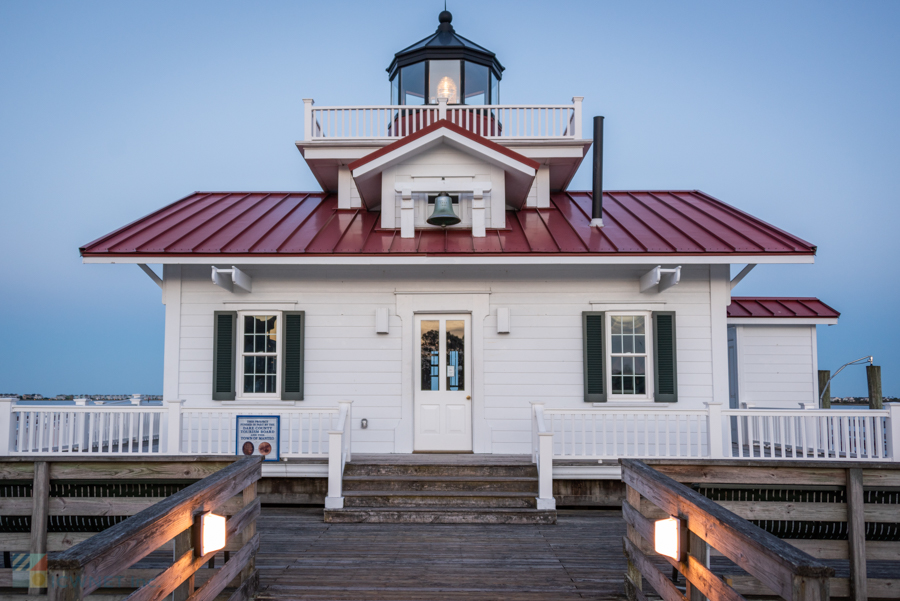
pixel 451 138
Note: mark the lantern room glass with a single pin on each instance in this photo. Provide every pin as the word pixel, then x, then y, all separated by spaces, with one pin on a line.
pixel 477 84
pixel 444 81
pixel 412 84
pixel 459 81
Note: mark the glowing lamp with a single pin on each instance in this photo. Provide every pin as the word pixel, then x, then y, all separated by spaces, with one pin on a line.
pixel 668 538
pixel 446 88
pixel 212 533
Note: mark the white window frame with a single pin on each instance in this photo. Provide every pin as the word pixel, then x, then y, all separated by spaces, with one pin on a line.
pixel 240 395
pixel 648 352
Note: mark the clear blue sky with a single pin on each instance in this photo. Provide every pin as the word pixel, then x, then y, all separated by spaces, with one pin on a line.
pixel 109 110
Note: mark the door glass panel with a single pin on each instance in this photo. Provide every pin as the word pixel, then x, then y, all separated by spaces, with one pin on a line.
pixel 430 357
pixel 456 349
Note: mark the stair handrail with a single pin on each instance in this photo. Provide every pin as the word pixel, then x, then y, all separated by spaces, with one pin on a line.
pixel 339 455
pixel 542 455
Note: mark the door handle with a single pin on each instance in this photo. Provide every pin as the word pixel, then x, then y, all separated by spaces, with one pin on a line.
pixel 468 397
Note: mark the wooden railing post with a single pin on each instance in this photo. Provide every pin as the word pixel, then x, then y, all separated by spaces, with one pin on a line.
pixel 249 533
pixel 576 121
pixel 40 511
pixel 699 550
pixel 442 108
pixel 335 498
pixel 65 585
pixel 873 378
pixel 893 431
pixel 633 579
pixel 307 119
pixel 714 431
pixel 6 426
pixel 545 472
pixel 173 429
pixel 183 543
pixel 856 534
pixel 824 376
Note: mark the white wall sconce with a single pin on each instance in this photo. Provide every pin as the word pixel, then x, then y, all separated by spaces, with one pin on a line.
pixel 229 279
pixel 211 534
pixel 382 321
pixel 660 278
pixel 503 320
pixel 669 537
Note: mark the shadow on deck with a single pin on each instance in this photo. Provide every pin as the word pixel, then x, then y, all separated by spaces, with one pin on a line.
pixel 301 557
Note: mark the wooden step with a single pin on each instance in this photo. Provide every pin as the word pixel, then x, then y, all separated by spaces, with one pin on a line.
pixel 439 515
pixel 476 499
pixel 498 484
pixel 354 468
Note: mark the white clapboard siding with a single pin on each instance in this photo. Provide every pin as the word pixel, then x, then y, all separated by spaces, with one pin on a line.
pixel 776 365
pixel 539 360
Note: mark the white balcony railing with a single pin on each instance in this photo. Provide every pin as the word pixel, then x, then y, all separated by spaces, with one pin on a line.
pixel 389 122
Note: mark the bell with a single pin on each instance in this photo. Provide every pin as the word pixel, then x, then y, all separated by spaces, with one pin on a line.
pixel 443 214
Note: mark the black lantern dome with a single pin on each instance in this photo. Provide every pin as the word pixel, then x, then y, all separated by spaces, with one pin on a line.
pixel 445 65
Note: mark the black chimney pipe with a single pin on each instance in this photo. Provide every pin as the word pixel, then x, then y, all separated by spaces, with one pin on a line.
pixel 597 209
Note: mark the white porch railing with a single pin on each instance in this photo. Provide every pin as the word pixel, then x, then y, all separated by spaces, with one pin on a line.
pixel 817 434
pixel 497 121
pixel 755 433
pixel 132 430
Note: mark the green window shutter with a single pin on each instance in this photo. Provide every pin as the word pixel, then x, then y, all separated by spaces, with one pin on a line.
pixel 665 372
pixel 292 356
pixel 593 324
pixel 224 336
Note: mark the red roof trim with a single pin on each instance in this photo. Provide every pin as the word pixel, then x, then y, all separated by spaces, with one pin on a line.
pixel 755 307
pixel 443 124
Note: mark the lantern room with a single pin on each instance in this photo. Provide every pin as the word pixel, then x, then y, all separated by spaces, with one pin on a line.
pixel 445 65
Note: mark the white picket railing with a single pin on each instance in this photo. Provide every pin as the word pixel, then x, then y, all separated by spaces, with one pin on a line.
pixel 623 432
pixel 93 430
pixel 386 122
pixel 304 431
pixel 817 434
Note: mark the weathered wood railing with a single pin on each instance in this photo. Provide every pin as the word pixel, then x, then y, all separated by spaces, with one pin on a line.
pixel 85 567
pixel 386 122
pixel 85 491
pixel 833 505
pixel 785 570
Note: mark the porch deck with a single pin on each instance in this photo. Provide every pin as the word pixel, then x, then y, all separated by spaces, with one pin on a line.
pixel 301 557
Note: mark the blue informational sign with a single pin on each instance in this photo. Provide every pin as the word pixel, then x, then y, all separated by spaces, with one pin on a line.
pixel 258 435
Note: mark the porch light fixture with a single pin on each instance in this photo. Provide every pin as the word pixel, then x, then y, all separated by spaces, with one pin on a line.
pixel 212 533
pixel 668 538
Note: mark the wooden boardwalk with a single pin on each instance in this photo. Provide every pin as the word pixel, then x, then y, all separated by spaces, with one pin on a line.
pixel 301 557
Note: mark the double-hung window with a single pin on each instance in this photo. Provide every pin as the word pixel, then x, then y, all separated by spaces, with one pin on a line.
pixel 258 355
pixel 629 356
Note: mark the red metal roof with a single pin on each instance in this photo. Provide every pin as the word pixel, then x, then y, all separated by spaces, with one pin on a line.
pixel 298 223
pixel 769 306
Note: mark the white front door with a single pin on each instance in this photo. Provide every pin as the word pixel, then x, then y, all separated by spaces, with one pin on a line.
pixel 443 397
